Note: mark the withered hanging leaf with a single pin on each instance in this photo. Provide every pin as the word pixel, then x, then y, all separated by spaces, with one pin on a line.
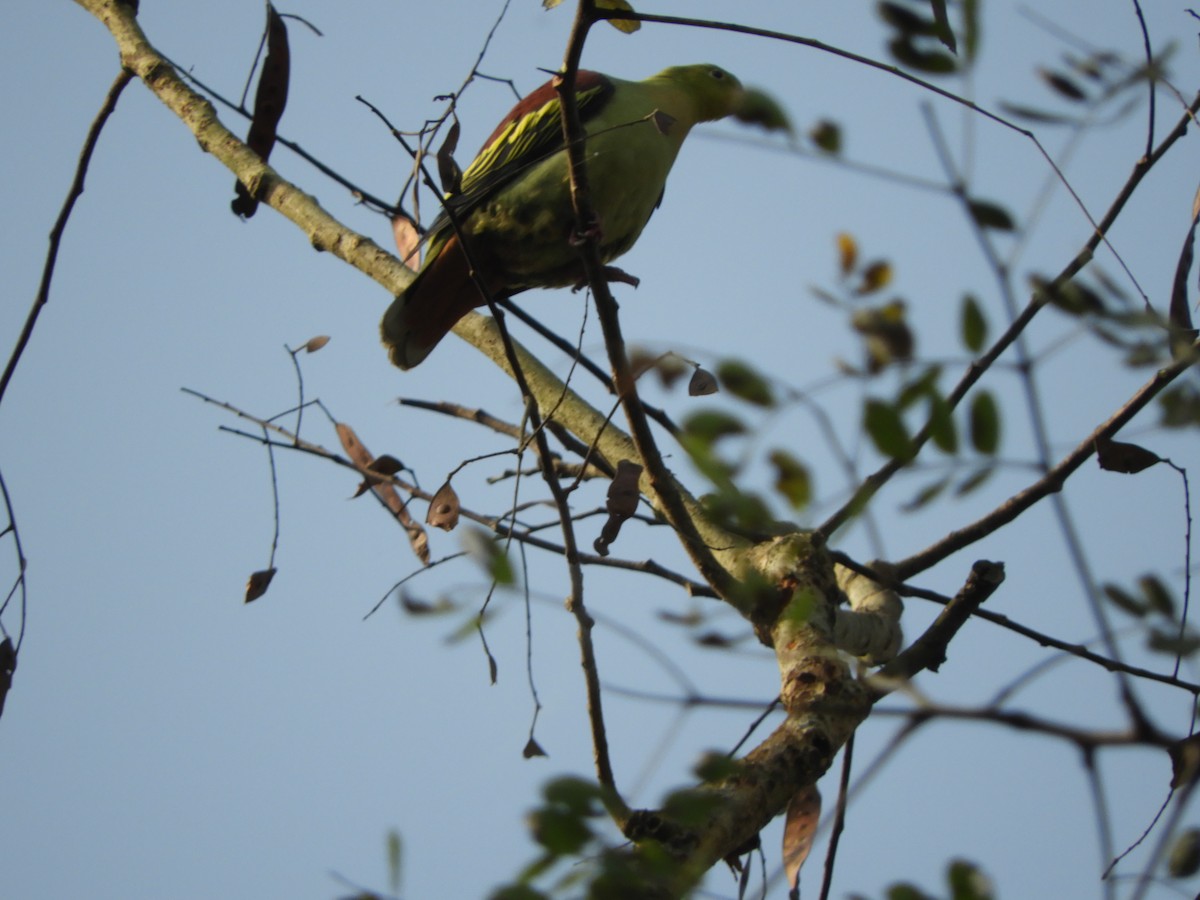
pixel 361 457
pixel 8 665
pixel 316 343
pixel 408 240
pixel 799 829
pixel 623 498
pixel 448 170
pixel 663 122
pixel 269 101
pixel 702 383
pixel 532 749
pixel 444 508
pixel 258 583
pixel 1128 459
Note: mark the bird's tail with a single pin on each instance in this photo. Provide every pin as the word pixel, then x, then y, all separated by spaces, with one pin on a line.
pixel 441 294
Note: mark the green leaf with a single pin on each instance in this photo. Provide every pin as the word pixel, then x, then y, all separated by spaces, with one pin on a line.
pixel 907 892
pixel 561 831
pixel 576 794
pixel 886 428
pixel 974 325
pixel 1184 859
pixel 926 495
pixel 942 429
pixel 1180 406
pixel 932 62
pixel 1062 85
pixel 792 479
pixel 745 383
pixel 974 480
pixel 489 554
pixel 710 425
pixel 827 136
pixel 990 215
pixel 967 881
pixel 1158 598
pixel 1172 643
pixel 628 26
pixel 394 848
pixel 985 423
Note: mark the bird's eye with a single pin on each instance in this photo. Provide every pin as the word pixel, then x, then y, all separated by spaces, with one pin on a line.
pixel 717 74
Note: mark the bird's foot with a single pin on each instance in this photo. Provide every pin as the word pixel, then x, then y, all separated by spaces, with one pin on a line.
pixel 590 232
pixel 612 275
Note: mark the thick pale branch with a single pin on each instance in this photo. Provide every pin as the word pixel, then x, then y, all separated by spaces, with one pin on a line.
pixel 264 183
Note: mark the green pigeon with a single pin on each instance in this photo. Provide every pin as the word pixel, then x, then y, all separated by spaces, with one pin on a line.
pixel 514 206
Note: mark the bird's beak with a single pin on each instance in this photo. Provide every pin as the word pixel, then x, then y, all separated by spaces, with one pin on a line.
pixel 756 107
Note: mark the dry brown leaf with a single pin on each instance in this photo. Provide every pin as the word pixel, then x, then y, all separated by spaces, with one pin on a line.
pixel 703 383
pixel 408 240
pixel 269 101
pixel 443 508
pixel 623 497
pixel 315 344
pixel 258 583
pixel 799 828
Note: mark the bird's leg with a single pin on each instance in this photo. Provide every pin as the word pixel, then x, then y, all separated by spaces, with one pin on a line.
pixel 590 232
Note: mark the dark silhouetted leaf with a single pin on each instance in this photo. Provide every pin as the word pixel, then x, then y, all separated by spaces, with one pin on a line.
pixel 974 325
pixel 1180 406
pixel 415 607
pixel 985 423
pixel 904 20
pixel 258 583
pixel 888 338
pixel 8 666
pixel 1128 459
pixel 702 383
pixel 941 21
pixel 1183 335
pixel 743 382
pixel 1032 114
pixel 532 749
pixel 1124 600
pixel 1062 85
pixel 942 429
pixel 886 429
pixel 448 169
pixel 1185 761
pixel 269 101
pixel 932 62
pixel 394 851
pixel 444 508
pixel 1173 643
pixel 623 497
pixel 990 215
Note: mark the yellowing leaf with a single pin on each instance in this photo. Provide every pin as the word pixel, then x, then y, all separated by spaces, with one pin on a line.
pixel 799 828
pixel 628 26
pixel 847 253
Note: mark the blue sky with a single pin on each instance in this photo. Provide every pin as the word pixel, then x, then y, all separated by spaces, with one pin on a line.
pixel 163 739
